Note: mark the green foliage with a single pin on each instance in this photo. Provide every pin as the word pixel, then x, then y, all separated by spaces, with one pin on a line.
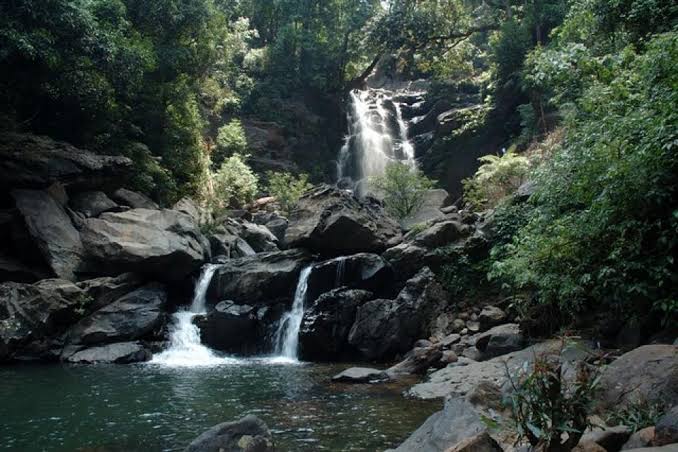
pixel 403 188
pixel 234 184
pixel 287 188
pixel 545 407
pixel 231 140
pixel 638 415
pixel 497 177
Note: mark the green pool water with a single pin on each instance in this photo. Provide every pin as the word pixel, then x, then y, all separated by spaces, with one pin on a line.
pixel 148 407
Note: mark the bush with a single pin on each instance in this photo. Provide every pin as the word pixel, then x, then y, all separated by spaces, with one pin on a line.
pixel 231 140
pixel 497 177
pixel 287 188
pixel 234 184
pixel 403 188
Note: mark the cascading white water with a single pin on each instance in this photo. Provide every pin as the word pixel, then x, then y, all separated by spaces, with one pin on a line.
pixel 185 348
pixel 287 335
pixel 377 135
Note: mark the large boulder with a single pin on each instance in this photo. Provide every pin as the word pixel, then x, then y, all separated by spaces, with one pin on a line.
pixel 360 271
pixel 260 279
pixel 333 221
pixel 429 210
pixel 50 227
pixel 500 340
pixel 133 199
pixel 164 244
pixel 646 374
pixel 417 361
pixel 30 161
pixel 92 203
pixel 360 375
pixel 386 328
pixel 200 215
pixel 31 315
pixel 134 316
pixel 230 327
pixel 119 353
pixel 249 434
pixel 323 335
pixel 666 430
pixel 105 290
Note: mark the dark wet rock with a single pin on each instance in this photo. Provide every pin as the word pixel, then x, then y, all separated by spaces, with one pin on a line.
pixel 225 243
pixel 32 315
pixel 229 327
pixel 92 203
pixel 164 244
pixel 52 230
pixel 406 259
pixel 118 353
pixel 646 374
pixel 249 434
pixel 666 430
pixel 417 361
pixel 456 423
pixel 360 271
pixel 360 375
pixel 329 220
pixel 610 438
pixel 440 234
pixel 260 279
pixel 12 269
pixel 491 316
pixel 136 315
pixel 258 237
pixel 432 203
pixel 133 199
pixel 428 122
pixel 386 328
pixel 30 161
pixel 500 340
pixel 105 290
pixel 327 321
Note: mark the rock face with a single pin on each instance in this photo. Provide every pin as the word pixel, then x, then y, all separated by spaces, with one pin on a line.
pixel 133 199
pixel 260 279
pixel 648 373
pixel 30 161
pixel 433 201
pixel 229 327
pixel 249 434
pixel 386 328
pixel 327 321
pixel 31 315
pixel 120 353
pixel 200 215
pixel 105 290
pixel 50 227
pixel 164 244
pixel 92 203
pixel 332 221
pixel 129 318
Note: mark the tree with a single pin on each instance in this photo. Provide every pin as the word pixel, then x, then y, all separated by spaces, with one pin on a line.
pixel 235 184
pixel 231 140
pixel 403 188
pixel 287 188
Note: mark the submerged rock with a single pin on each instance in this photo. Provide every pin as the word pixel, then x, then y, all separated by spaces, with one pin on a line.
pixel 333 221
pixel 119 353
pixel 360 375
pixel 249 434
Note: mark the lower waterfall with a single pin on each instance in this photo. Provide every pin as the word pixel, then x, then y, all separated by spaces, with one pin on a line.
pixel 286 338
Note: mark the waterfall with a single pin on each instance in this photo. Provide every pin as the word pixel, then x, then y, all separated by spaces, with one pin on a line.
pixel 377 135
pixel 287 335
pixel 185 348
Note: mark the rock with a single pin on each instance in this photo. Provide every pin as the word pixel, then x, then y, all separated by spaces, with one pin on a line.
pixel 327 321
pixel 416 362
pixel 449 357
pixel 92 203
pixel 11 269
pixel 406 259
pixel 329 220
pixel 134 199
pixel 666 430
pixel 32 314
pixel 134 316
pixel 433 201
pixel 50 227
pixel 360 375
pixel 428 122
pixel 384 328
pixel 119 353
pixel 482 442
pixel 225 243
pixel 491 316
pixel 458 325
pixel 668 448
pixel 500 340
pixel 457 422
pixel 30 161
pixel 164 244
pixel 105 290
pixel 588 446
pixel 249 434
pixel 472 326
pixel 610 439
pixel 230 327
pixel 260 279
pixel 200 215
pixel 360 271
pixel 641 438
pixel 646 374
pixel 257 236
pixel 440 234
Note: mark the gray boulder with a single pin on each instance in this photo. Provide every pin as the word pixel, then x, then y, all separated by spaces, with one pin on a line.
pixel 134 316
pixel 119 353
pixel 249 434
pixel 500 340
pixel 164 244
pixel 491 316
pixel 30 161
pixel 133 199
pixel 226 243
pixel 440 234
pixel 105 290
pixel 360 375
pixel 329 220
pixel 50 227
pixel 327 321
pixel 433 201
pixel 200 215
pixel 666 430
pixel 260 279
pixel 92 203
pixel 385 328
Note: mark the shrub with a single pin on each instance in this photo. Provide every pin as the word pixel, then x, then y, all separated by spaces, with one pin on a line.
pixel 403 188
pixel 234 184
pixel 637 416
pixel 287 188
pixel 231 140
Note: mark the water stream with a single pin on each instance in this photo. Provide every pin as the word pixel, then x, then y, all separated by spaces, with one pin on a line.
pixel 287 335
